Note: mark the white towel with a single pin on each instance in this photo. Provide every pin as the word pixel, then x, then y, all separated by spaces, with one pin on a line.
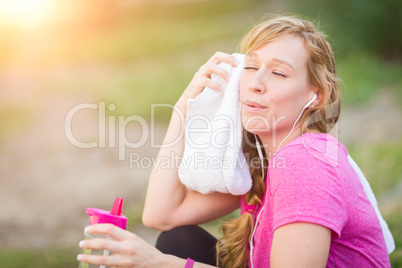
pixel 213 160
pixel 389 240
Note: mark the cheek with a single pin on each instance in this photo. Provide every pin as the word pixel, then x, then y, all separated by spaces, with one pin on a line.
pixel 242 87
pixel 256 123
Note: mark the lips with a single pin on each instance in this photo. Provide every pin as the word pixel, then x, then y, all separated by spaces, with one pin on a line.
pixel 252 106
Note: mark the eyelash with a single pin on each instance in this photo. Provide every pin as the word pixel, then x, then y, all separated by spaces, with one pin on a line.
pixel 279 74
pixel 250 68
pixel 275 73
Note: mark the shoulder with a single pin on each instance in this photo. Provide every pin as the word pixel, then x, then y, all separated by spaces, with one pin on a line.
pixel 307 187
pixel 309 162
pixel 314 148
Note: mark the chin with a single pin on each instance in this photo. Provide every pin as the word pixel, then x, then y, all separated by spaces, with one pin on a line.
pixel 257 129
pixel 256 124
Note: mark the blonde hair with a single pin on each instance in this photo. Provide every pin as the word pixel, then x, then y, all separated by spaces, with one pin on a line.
pixel 232 248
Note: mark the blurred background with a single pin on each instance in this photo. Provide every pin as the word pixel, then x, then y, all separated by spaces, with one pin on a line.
pixel 121 56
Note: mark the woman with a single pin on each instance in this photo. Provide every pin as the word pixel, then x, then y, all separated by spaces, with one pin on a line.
pixel 309 212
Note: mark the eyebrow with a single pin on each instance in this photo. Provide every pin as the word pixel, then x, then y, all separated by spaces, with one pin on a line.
pixel 252 54
pixel 283 62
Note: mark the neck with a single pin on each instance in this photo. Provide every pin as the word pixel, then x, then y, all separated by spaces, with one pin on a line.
pixel 271 141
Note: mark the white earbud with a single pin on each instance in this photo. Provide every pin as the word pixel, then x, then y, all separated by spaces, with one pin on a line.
pixel 311 101
pixel 305 106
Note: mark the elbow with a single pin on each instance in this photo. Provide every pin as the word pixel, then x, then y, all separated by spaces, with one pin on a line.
pixel 155 223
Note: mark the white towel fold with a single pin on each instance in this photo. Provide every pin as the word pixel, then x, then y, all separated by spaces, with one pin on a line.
pixel 213 160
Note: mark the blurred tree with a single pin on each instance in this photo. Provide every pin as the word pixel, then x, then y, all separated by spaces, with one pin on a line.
pixel 371 25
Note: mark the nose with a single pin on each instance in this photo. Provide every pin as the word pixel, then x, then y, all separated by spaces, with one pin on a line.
pixel 256 84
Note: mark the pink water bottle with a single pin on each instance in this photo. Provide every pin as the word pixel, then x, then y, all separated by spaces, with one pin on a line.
pixel 103 216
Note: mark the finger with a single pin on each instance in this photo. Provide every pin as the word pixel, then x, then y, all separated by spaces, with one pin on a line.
pixel 224 57
pixel 213 85
pixel 110 260
pixel 111 230
pixel 102 244
pixel 207 69
pixel 206 82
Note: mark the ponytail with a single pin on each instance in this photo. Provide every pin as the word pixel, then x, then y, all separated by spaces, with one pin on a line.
pixel 232 248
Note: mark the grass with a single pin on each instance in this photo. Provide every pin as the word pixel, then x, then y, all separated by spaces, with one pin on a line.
pixel 49 258
pixel 381 164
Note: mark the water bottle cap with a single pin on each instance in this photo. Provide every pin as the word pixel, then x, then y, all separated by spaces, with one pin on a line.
pixel 117 206
pixel 103 216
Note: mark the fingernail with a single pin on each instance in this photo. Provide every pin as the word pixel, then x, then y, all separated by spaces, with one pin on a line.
pixel 86 229
pixel 79 257
pixel 81 244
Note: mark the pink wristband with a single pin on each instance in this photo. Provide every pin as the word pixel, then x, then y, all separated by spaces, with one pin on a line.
pixel 189 263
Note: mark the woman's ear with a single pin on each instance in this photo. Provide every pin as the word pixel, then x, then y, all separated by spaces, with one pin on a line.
pixel 321 95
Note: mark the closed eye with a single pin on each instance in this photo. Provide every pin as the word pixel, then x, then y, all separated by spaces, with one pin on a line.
pixel 279 74
pixel 250 68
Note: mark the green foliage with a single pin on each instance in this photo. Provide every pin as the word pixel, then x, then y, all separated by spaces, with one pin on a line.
pixel 52 258
pixel 364 74
pixel 151 53
pixel 381 164
pixel 152 30
pixel 370 25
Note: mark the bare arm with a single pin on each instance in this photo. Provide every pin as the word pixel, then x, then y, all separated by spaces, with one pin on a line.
pixel 168 204
pixel 128 250
pixel 300 245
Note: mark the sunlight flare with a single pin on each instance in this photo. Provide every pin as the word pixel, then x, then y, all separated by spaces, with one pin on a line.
pixel 26 13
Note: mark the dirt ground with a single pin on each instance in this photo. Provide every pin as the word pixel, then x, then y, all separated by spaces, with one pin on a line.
pixel 46 182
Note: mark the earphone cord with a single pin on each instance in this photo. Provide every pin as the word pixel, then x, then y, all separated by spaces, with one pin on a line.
pixel 262 167
pixel 277 149
pixel 258 145
pixel 259 214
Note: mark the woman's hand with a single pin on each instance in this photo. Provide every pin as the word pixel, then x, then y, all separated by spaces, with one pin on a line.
pixel 128 249
pixel 202 78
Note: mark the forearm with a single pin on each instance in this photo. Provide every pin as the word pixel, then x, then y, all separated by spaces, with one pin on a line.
pixel 165 191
